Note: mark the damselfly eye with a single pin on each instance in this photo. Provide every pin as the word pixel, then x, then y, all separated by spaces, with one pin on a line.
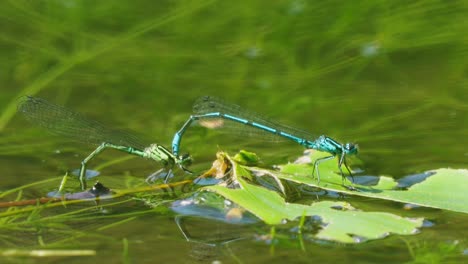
pixel 351 148
pixel 186 159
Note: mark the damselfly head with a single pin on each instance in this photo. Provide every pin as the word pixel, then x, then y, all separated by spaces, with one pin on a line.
pixel 185 159
pixel 351 148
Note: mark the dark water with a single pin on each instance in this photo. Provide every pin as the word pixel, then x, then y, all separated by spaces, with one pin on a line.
pixel 391 77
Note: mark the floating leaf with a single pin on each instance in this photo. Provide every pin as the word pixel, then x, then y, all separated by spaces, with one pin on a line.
pixel 246 158
pixel 339 221
pixel 441 188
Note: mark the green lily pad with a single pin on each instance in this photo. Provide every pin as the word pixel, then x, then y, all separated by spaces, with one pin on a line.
pixel 339 221
pixel 246 158
pixel 443 189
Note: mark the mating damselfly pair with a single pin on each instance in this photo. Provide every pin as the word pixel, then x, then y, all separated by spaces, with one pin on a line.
pixel 65 122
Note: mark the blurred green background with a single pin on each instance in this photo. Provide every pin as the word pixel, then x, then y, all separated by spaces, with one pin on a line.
pixel 391 76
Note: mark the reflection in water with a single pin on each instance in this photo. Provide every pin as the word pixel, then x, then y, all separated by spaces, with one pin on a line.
pixel 208 238
pixel 210 224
